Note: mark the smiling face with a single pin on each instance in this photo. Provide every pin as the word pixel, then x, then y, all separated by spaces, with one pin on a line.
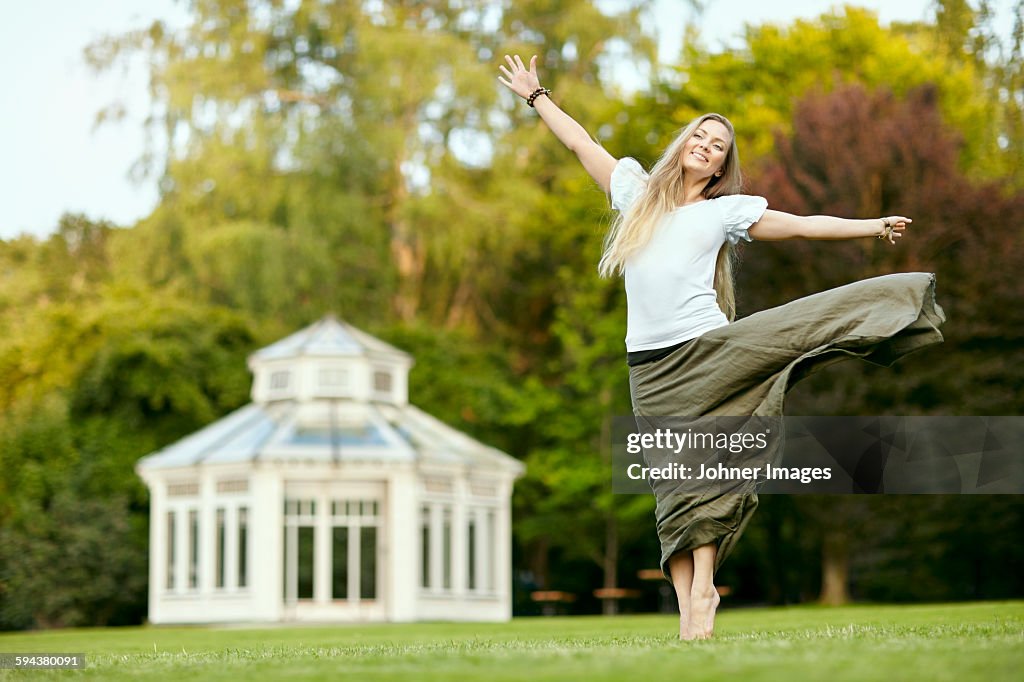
pixel 705 152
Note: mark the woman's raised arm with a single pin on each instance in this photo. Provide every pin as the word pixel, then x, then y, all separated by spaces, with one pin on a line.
pixel 524 82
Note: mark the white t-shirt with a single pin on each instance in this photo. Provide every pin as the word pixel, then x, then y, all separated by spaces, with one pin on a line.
pixel 670 293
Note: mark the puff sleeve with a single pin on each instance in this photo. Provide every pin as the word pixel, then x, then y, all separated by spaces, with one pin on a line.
pixel 627 182
pixel 739 212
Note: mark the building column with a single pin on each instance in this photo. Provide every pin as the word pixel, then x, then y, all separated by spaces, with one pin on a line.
pixel 460 543
pixel 400 553
pixel 481 561
pixel 322 546
pixel 436 549
pixel 266 522
pixel 157 547
pixel 181 548
pixel 207 533
pixel 231 558
pixel 503 544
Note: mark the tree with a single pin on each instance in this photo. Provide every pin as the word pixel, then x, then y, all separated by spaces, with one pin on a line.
pixel 965 32
pixel 392 105
pixel 856 153
pixel 95 386
pixel 758 84
pixel 859 153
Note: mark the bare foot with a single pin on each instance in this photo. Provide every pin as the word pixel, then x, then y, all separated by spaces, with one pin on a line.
pixel 702 613
pixel 684 622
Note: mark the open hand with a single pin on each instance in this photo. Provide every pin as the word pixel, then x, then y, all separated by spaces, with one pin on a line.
pixel 521 80
pixel 899 226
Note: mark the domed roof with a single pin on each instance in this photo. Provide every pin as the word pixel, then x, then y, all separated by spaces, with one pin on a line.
pixel 322 427
pixel 326 338
pixel 289 431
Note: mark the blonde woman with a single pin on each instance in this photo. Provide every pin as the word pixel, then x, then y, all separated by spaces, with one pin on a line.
pixel 671 241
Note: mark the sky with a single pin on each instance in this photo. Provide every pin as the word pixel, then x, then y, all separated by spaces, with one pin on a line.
pixel 53 161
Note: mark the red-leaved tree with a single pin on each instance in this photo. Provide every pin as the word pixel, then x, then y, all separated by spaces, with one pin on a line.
pixel 855 153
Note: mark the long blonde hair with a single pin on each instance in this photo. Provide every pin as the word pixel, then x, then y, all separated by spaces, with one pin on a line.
pixel 633 228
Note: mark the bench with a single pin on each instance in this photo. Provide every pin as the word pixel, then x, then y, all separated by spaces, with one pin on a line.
pixel 552 601
pixel 610 597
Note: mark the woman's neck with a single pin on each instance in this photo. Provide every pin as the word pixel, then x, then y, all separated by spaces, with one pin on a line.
pixel 692 189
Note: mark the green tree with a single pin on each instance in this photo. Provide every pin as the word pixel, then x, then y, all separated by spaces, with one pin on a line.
pixel 758 84
pixel 970 32
pixel 391 105
pixel 95 386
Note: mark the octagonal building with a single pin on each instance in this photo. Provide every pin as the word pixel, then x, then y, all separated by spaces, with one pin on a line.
pixel 329 498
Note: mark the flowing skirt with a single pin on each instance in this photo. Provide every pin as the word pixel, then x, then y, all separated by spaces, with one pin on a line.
pixel 746 367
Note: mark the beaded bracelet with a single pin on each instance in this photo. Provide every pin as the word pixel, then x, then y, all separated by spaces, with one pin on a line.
pixel 535 94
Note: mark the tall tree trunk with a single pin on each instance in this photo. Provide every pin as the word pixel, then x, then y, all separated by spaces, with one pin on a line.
pixel 835 569
pixel 407 250
pixel 458 310
pixel 410 259
pixel 538 562
pixel 611 561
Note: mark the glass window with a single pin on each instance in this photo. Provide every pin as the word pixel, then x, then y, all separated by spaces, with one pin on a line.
pixel 193 548
pixel 305 572
pixel 243 546
pixel 183 489
pixel 279 380
pixel 382 381
pixel 368 562
pixel 287 572
pixel 491 552
pixel 339 561
pixel 471 541
pixel 233 486
pixel 446 549
pixel 299 507
pixel 170 550
pixel 425 545
pixel 221 542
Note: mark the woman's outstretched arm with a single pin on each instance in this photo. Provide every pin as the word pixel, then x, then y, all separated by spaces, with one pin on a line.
pixel 595 159
pixel 776 225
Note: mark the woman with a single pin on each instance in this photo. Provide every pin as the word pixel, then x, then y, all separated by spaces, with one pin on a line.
pixel 671 241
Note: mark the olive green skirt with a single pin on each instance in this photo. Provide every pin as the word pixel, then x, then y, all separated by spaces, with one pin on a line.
pixel 746 367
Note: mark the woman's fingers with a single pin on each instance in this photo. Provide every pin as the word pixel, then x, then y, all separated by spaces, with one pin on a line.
pixel 516 75
pixel 516 63
pixel 898 224
pixel 511 73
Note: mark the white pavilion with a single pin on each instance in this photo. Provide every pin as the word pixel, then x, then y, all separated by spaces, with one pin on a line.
pixel 329 498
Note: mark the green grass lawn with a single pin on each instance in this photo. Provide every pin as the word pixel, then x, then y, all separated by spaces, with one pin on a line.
pixel 956 642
